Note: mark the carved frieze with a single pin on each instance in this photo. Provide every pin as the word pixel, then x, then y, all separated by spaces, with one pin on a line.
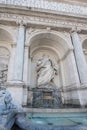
pixel 40 20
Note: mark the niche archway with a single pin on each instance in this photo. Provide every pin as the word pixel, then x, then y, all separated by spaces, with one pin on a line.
pixel 58 48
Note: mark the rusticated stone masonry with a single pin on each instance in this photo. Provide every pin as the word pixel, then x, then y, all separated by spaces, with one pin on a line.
pixel 3 74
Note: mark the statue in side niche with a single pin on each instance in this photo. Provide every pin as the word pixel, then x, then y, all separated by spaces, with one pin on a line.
pixel 46 70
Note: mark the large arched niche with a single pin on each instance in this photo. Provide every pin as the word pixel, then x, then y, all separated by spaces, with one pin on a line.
pixel 36 55
pixel 53 39
pixel 58 49
pixel 5 52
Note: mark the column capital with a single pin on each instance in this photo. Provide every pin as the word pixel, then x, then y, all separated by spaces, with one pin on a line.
pixel 75 29
pixel 21 23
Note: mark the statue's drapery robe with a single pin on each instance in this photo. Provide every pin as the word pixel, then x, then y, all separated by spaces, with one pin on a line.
pixel 46 73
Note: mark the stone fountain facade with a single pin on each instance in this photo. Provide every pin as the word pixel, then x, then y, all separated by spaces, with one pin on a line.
pixel 31 29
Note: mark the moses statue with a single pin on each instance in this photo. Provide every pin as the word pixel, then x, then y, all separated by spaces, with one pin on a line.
pixel 46 71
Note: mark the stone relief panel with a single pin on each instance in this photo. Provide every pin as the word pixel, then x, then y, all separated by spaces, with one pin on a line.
pixel 4 59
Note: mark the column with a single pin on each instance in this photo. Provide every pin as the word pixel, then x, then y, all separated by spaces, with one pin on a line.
pixel 15 84
pixel 26 64
pixel 25 75
pixel 11 65
pixel 19 55
pixel 79 56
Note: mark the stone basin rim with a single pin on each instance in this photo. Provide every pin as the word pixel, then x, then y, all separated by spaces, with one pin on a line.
pixel 63 110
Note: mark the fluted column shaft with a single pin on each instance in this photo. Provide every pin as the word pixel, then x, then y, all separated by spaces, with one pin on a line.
pixel 19 55
pixel 79 56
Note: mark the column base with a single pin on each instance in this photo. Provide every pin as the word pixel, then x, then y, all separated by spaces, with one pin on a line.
pixel 76 95
pixel 18 91
pixel 71 98
pixel 82 91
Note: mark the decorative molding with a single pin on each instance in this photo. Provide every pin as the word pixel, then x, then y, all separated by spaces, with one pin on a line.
pixel 75 29
pixel 21 22
pixel 44 21
pixel 48 5
pixel 15 84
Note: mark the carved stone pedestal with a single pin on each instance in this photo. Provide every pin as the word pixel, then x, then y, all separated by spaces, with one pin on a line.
pixel 17 90
pixel 45 98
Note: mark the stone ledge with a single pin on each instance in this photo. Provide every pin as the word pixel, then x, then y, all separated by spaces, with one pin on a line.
pixel 75 88
pixel 15 84
pixel 54 110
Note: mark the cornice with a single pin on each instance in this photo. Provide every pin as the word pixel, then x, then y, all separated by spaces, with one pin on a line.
pixel 62 6
pixel 23 10
pixel 11 15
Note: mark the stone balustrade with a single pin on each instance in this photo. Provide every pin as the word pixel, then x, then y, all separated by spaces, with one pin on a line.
pixel 49 5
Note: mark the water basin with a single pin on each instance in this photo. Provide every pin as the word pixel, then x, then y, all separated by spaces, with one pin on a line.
pixel 58 119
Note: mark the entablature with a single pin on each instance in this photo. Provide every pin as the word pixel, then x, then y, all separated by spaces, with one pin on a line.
pixel 33 17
